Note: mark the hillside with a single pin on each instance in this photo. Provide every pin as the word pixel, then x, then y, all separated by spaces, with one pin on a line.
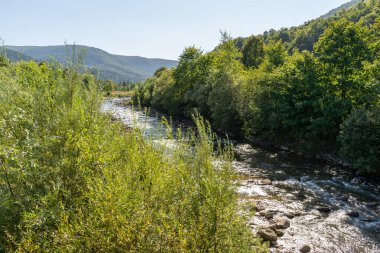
pixel 16 56
pixel 304 36
pixel 345 6
pixel 108 66
pixel 315 86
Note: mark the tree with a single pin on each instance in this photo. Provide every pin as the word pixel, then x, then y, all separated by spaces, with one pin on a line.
pixel 185 75
pixel 343 49
pixel 253 52
pixel 359 139
pixel 223 80
pixel 108 86
pixel 275 54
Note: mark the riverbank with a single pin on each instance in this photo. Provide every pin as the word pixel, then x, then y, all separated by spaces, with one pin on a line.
pixel 322 156
pixel 328 207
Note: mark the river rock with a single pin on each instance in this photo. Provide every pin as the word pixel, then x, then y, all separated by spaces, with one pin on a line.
pixel 260 206
pixel 279 232
pixel 264 182
pixel 323 209
pixel 282 222
pixel 353 214
pixel 305 248
pixel 372 204
pixel 289 215
pixel 344 218
pixel 269 215
pixel 267 234
pixel 295 214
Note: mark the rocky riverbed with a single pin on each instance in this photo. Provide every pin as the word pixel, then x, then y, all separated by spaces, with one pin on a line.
pixel 303 205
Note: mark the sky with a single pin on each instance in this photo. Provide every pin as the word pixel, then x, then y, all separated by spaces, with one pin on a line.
pixel 149 28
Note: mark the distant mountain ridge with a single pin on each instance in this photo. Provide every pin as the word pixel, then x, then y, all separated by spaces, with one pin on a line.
pixel 108 66
pixel 16 56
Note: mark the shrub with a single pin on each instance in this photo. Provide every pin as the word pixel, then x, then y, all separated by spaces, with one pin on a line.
pixel 360 139
pixel 72 180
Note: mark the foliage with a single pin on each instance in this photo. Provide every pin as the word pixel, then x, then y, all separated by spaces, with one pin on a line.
pixel 275 54
pixel 343 49
pixel 72 180
pixel 294 85
pixel 253 52
pixel 360 140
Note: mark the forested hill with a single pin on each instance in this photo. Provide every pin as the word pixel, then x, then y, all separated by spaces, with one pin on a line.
pixel 316 86
pixel 303 37
pixel 345 6
pixel 108 66
pixel 15 56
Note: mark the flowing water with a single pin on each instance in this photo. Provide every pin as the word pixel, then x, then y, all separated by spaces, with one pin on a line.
pixel 329 208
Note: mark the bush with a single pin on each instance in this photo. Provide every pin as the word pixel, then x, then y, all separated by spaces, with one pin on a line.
pixel 360 139
pixel 72 180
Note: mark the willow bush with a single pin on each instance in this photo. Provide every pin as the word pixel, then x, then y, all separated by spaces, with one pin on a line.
pixel 72 180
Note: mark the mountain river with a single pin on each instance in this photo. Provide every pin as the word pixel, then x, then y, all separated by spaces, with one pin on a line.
pixel 329 208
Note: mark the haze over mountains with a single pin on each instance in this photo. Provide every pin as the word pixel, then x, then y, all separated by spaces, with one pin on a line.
pixel 107 66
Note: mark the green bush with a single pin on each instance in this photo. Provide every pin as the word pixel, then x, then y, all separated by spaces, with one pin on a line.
pixel 72 180
pixel 360 139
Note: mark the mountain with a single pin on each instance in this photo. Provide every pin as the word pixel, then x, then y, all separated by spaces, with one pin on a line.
pixel 16 56
pixel 108 66
pixel 303 37
pixel 345 6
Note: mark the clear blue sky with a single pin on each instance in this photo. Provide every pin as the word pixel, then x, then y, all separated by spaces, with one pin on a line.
pixel 150 28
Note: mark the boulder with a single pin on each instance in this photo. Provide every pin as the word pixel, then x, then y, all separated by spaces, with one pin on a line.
pixel 305 248
pixel 372 204
pixel 260 206
pixel 296 213
pixel 280 232
pixel 264 182
pixel 274 243
pixel 289 215
pixel 282 222
pixel 353 214
pixel 323 209
pixel 267 234
pixel 269 215
pixel 344 218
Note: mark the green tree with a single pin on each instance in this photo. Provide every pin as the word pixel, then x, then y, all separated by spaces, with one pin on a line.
pixel 275 54
pixel 343 49
pixel 185 75
pixel 253 52
pixel 223 82
pixel 359 139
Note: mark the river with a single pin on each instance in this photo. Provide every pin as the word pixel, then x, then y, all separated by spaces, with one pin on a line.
pixel 329 208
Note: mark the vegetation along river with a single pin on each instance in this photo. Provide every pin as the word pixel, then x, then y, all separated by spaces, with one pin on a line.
pixel 309 202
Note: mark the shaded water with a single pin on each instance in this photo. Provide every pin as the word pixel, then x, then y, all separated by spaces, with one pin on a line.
pixel 329 208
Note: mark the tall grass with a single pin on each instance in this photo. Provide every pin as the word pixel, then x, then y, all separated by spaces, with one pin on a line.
pixel 72 180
